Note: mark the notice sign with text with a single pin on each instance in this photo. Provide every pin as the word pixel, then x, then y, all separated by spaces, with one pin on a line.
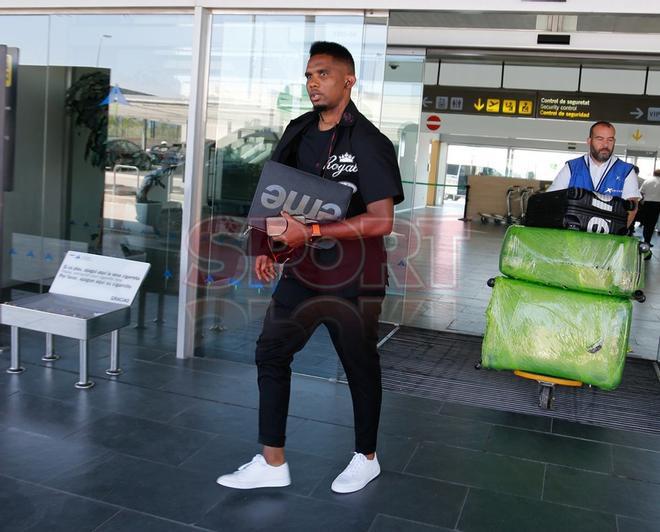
pixel 554 105
pixel 474 101
pixel 592 106
pixel 99 278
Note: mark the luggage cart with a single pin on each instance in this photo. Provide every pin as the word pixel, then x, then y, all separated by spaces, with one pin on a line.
pixel 547 386
pixel 498 219
pixel 547 383
pixel 510 193
pixel 525 193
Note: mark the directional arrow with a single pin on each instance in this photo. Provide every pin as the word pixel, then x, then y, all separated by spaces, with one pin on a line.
pixel 637 113
pixel 427 102
pixel 479 105
pixel 637 135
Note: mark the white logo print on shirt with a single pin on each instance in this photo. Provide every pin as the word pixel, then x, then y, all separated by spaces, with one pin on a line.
pixel 346 164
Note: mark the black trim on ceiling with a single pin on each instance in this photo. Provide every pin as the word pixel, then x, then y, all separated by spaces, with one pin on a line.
pixel 553 38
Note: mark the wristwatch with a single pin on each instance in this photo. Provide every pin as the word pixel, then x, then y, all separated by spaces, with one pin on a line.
pixel 316 231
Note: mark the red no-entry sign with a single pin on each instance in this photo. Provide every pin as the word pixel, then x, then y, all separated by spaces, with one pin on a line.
pixel 433 122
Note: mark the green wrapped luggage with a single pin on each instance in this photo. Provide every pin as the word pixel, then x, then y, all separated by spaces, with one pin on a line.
pixel 587 262
pixel 554 332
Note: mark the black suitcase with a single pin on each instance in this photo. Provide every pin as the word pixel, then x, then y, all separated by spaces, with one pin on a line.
pixel 579 209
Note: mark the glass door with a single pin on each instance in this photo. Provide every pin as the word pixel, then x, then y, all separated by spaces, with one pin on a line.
pixel 102 105
pixel 256 86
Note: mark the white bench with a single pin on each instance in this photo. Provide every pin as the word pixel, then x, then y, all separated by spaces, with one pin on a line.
pixel 90 296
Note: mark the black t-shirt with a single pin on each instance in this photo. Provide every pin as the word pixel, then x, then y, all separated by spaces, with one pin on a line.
pixel 358 155
pixel 313 150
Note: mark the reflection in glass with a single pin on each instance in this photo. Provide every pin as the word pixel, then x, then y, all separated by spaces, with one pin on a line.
pixel 102 108
pixel 256 86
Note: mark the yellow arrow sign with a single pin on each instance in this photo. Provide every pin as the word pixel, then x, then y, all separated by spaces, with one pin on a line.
pixel 637 135
pixel 479 105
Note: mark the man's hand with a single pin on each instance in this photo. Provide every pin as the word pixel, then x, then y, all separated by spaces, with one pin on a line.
pixel 264 268
pixel 296 234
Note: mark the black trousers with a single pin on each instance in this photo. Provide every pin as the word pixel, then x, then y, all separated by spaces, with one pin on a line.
pixel 353 328
pixel 649 217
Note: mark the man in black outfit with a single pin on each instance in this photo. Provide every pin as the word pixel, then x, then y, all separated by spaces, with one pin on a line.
pixel 341 286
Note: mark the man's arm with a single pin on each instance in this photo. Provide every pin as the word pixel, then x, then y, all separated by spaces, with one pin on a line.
pixel 377 221
pixel 631 193
pixel 562 179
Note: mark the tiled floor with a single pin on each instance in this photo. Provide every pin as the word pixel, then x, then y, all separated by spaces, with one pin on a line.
pixel 141 452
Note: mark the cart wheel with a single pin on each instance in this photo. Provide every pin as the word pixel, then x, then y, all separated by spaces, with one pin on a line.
pixel 639 296
pixel 484 220
pixel 644 247
pixel 491 282
pixel 478 365
pixel 546 398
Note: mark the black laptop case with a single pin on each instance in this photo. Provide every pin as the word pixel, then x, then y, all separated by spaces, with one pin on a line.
pixel 283 188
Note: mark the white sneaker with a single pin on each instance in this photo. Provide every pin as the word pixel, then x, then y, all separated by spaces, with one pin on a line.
pixel 358 473
pixel 257 474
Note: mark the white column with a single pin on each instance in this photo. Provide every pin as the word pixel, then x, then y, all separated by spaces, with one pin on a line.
pixel 194 173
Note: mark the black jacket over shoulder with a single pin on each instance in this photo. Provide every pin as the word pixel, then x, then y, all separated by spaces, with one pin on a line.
pixel 363 158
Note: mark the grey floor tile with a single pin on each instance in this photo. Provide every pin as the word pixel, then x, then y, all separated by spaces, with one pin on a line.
pixel 626 524
pixel 337 443
pixel 127 520
pixel 142 438
pixel 387 523
pixel 399 495
pixel 211 365
pixel 145 373
pixel 620 437
pixel 207 386
pixel 406 402
pixel 37 380
pixel 157 489
pixel 129 399
pixel 478 469
pixel 436 428
pixel 322 439
pixel 35 457
pixel 549 448
pixel 605 493
pixel 497 417
pixel 278 511
pixel 637 464
pixel 25 506
pixel 327 405
pixel 487 511
pixel 46 416
pixel 228 420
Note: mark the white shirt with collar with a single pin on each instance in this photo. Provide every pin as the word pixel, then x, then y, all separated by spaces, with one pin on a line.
pixel 630 185
pixel 651 189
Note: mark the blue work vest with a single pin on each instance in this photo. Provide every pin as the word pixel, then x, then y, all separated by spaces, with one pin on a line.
pixel 611 183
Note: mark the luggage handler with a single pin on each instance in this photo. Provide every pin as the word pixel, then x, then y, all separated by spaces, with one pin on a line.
pixel 547 383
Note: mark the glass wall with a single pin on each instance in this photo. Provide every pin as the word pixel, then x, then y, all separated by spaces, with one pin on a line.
pixel 101 118
pixel 256 86
pixel 402 100
pixel 543 165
